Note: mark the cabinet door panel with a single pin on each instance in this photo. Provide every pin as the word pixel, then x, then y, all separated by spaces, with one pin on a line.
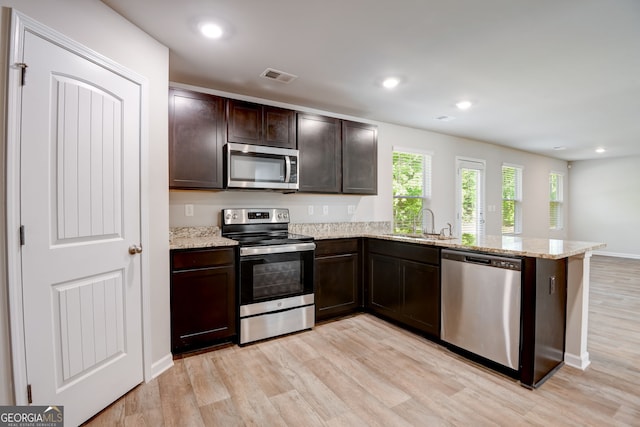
pixel 244 122
pixel 202 307
pixel 385 293
pixel 196 133
pixel 279 129
pixel 422 296
pixel 320 154
pixel 360 158
pixel 337 283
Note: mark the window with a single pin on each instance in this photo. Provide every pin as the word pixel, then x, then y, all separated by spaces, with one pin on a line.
pixel 411 189
pixel 555 201
pixel 511 199
pixel 470 199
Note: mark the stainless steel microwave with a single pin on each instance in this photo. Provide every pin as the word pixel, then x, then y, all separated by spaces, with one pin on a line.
pixel 258 166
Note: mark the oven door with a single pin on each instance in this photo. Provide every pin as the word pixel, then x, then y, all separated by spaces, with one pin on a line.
pixel 275 272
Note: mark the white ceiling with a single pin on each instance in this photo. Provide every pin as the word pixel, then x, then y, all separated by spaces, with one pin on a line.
pixel 542 73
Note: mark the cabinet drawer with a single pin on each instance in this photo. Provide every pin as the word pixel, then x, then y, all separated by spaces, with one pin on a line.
pixel 406 251
pixel 336 246
pixel 202 258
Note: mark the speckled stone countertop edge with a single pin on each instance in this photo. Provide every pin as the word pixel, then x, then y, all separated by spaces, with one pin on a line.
pixel 209 237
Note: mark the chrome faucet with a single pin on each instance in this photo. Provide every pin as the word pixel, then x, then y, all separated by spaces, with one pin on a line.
pixel 450 227
pixel 433 221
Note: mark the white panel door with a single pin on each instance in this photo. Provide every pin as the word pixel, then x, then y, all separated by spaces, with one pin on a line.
pixel 80 192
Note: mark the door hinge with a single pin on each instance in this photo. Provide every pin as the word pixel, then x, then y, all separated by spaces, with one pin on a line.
pixel 23 69
pixel 29 395
pixel 22 235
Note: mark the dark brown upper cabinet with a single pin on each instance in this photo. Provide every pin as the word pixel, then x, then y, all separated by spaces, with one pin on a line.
pixel 359 158
pixel 249 123
pixel 320 161
pixel 196 138
pixel 337 156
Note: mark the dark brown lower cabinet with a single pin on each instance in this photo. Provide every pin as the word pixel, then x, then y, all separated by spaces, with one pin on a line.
pixel 544 293
pixel 203 298
pixel 404 284
pixel 338 279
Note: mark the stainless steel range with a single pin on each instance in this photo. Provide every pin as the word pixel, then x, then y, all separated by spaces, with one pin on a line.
pixel 276 273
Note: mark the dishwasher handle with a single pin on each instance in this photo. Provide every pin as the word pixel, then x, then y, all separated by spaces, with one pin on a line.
pixel 477 260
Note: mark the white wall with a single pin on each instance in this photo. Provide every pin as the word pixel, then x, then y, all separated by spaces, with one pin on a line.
pixel 605 204
pixel 96 26
pixel 207 205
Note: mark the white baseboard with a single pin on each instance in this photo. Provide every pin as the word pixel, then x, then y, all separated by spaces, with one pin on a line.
pixel 617 254
pixel 580 362
pixel 161 365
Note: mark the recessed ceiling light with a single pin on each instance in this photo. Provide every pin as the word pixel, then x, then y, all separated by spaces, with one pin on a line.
pixel 464 105
pixel 211 30
pixel 560 148
pixel 445 118
pixel 390 82
pixel 600 150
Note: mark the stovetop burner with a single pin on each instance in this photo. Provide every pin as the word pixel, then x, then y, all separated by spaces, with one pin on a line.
pixel 259 227
pixel 269 239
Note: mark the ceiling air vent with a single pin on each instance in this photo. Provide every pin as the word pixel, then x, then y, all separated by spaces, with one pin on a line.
pixel 279 76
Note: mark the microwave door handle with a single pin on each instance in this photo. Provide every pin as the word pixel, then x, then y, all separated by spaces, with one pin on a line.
pixel 287 168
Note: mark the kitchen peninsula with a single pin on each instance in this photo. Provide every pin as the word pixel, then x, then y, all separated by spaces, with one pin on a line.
pixel 577 254
pixel 572 254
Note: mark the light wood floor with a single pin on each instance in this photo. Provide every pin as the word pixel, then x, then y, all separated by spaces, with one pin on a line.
pixel 362 371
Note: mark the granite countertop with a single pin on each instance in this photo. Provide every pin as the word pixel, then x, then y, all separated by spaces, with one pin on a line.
pixel 508 245
pixel 503 245
pixel 197 237
pixel 208 237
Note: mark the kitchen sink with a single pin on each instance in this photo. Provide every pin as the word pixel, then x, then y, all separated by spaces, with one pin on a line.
pixel 422 236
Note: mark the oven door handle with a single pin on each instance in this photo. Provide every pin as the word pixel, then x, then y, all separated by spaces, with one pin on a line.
pixel 277 249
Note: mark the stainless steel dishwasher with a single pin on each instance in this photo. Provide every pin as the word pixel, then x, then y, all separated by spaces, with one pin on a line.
pixel 481 305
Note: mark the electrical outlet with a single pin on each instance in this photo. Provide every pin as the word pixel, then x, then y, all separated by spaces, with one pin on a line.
pixel 310 209
pixel 325 210
pixel 188 210
pixel 351 209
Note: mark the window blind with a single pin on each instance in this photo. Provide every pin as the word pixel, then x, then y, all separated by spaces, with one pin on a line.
pixel 555 201
pixel 511 199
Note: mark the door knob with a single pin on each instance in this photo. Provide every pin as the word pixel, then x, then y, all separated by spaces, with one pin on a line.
pixel 135 249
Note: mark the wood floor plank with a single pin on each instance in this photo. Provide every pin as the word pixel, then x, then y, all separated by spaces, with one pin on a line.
pixel 363 371
pixel 179 404
pixel 252 403
pixel 205 380
pixel 323 401
pixel 370 410
pixel 295 410
pixel 222 413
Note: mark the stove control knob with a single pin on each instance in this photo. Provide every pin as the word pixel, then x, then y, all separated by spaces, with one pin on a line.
pixel 235 216
pixel 227 216
pixel 280 215
pixel 285 215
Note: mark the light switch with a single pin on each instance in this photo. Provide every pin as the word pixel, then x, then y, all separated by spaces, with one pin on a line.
pixel 325 210
pixel 188 210
pixel 351 209
pixel 310 209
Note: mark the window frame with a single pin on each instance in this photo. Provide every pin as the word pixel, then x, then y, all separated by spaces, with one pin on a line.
pixel 517 200
pixel 556 204
pixel 427 161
